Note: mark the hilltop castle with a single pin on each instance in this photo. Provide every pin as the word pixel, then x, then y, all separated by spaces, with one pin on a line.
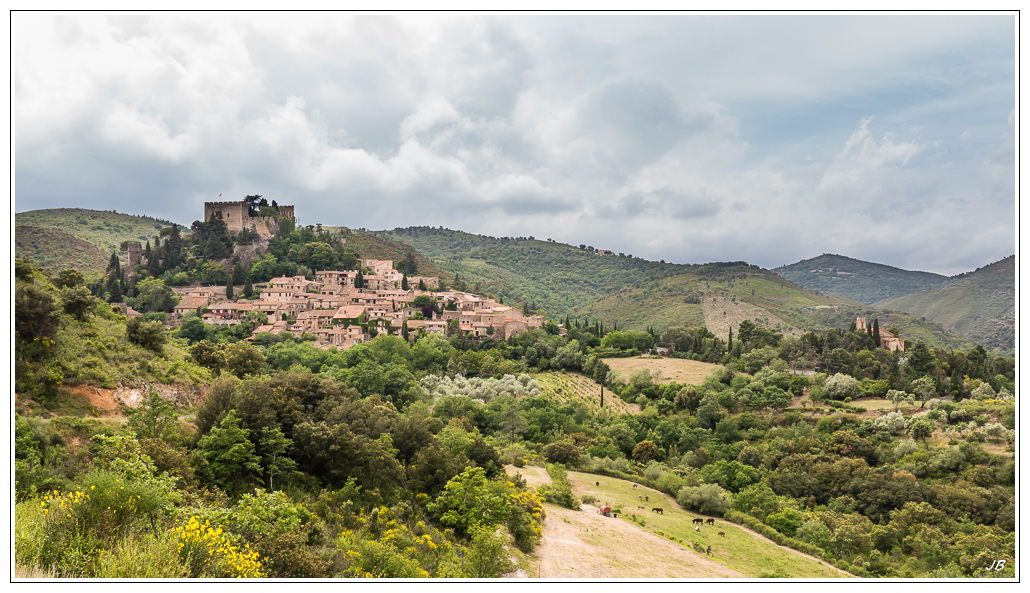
pixel 237 216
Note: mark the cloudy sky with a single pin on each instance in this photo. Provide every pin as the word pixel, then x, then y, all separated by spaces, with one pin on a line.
pixel 691 139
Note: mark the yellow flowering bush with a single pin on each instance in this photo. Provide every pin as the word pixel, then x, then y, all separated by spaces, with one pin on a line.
pixel 210 552
pixel 383 547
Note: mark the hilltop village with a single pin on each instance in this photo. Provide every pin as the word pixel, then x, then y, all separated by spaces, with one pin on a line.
pixel 340 308
pixel 343 308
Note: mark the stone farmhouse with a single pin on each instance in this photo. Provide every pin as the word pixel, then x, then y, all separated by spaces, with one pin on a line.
pixel 888 340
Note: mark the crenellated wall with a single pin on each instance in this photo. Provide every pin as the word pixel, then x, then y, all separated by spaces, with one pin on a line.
pixel 237 216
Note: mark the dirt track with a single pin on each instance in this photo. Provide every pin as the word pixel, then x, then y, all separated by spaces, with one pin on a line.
pixel 583 544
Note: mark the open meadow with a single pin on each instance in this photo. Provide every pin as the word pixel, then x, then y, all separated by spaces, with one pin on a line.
pixel 665 370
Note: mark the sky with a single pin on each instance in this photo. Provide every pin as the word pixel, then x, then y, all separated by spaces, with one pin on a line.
pixel 685 138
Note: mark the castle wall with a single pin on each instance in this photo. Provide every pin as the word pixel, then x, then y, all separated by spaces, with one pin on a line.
pixel 237 217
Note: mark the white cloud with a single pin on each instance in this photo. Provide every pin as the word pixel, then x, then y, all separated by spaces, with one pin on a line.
pixel 635 133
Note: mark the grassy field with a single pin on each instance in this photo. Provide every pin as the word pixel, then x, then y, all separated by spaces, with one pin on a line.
pixel 679 370
pixel 567 387
pixel 739 549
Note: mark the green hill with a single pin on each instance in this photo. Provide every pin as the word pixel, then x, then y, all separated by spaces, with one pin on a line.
pixel 635 293
pixel 858 280
pixel 980 305
pixel 55 250
pixel 104 230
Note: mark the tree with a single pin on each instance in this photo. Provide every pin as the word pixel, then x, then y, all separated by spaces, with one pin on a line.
pixel 228 289
pixel 148 334
pixel 404 282
pixel 645 451
pixel 359 280
pixel 77 301
pixel 274 445
pixel 922 429
pixel 466 504
pixel 248 288
pixel 876 332
pixel 513 425
pixel 840 386
pixel 153 418
pixel 924 390
pixel 243 358
pixel 69 279
pixel 230 455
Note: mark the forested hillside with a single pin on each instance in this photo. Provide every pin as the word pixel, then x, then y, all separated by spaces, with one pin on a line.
pixel 105 230
pixel 633 293
pixel 56 250
pixel 979 305
pixel 858 280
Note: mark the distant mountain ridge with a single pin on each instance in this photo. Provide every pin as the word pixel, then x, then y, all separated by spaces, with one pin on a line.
pixel 640 294
pixel 858 280
pixel 980 304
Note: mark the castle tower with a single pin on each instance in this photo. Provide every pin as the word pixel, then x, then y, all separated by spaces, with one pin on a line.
pixel 135 256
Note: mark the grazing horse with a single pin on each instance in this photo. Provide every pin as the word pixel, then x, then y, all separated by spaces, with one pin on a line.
pixel 658 510
pixel 710 521
pixel 634 486
pixel 699 520
pixel 722 533
pixel 642 508
pixel 647 499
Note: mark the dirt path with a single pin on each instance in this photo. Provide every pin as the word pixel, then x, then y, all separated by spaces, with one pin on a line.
pixel 583 544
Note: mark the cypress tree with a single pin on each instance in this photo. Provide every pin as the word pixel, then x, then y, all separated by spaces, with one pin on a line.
pixel 113 264
pixel 146 252
pixel 876 331
pixel 729 343
pixel 404 285
pixel 248 288
pixel 359 280
pixel 228 289
pixel 404 330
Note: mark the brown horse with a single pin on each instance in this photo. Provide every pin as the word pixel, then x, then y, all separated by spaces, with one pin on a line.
pixel 722 533
pixel 699 520
pixel 658 510
pixel 710 521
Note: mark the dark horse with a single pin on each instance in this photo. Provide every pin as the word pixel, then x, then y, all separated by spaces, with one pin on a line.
pixel 710 521
pixel 658 510
pixel 699 520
